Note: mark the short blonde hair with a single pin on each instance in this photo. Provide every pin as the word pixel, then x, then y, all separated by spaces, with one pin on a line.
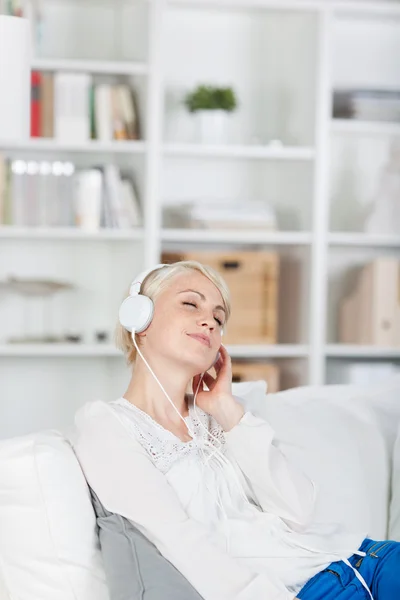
pixel 154 283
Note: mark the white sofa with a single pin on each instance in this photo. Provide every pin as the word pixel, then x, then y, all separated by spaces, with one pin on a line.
pixel 343 436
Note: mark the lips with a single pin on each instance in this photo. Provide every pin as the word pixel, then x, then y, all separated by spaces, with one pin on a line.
pixel 204 339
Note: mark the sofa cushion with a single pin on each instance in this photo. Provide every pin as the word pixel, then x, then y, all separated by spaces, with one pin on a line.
pixel 4 595
pixel 49 547
pixel 341 436
pixel 394 522
pixel 131 561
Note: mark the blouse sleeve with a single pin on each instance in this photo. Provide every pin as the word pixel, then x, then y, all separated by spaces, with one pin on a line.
pixel 279 486
pixel 127 483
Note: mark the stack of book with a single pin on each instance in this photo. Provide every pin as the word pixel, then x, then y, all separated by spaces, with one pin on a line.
pixel 370 315
pixel 367 105
pixel 221 214
pixel 72 108
pixel 56 194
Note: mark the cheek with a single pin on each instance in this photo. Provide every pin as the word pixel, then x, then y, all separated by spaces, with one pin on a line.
pixel 168 320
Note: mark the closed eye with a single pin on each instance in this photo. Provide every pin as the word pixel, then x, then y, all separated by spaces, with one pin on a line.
pixel 195 305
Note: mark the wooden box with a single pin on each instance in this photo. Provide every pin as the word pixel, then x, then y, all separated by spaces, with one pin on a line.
pixel 252 278
pixel 254 371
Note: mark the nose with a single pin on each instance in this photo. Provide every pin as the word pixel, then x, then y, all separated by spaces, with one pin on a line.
pixel 207 320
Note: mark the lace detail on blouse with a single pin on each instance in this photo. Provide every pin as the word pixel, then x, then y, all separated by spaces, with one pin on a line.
pixel 164 447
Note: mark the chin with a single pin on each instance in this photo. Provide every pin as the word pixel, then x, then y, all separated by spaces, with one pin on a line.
pixel 197 366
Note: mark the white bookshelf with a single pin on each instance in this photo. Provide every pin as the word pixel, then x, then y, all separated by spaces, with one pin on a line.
pixel 239 152
pixel 69 233
pixel 364 128
pixel 93 146
pixel 71 350
pixel 284 59
pixel 363 240
pixel 107 350
pixel 91 66
pixel 368 352
pixel 247 237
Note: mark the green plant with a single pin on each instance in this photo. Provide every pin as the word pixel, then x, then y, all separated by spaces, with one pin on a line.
pixel 207 97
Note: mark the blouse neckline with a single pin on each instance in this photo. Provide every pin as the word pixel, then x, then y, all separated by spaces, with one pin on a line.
pixel 155 423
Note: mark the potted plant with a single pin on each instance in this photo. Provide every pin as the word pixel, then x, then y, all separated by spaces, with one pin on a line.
pixel 211 105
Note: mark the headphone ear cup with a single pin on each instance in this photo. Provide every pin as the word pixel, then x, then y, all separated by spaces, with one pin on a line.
pixel 136 312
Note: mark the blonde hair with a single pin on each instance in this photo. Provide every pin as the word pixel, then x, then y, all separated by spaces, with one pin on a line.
pixel 154 283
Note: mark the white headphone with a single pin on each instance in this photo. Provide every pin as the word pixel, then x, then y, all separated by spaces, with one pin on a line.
pixel 136 311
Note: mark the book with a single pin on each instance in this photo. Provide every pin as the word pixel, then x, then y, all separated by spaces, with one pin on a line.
pixel 36 78
pixel 88 199
pixel 102 112
pixel 71 107
pixel 128 111
pixel 117 118
pixel 130 203
pixel 3 184
pixel 47 106
pixel 370 314
pixel 112 182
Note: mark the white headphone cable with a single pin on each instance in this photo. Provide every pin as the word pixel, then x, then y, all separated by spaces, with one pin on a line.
pixel 160 384
pixel 222 459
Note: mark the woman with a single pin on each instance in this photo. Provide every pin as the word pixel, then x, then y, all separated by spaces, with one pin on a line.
pixel 207 482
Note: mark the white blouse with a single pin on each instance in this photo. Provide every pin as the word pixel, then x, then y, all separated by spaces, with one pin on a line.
pixel 227 509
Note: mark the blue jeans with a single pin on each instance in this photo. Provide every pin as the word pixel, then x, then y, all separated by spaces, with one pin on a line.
pixel 380 570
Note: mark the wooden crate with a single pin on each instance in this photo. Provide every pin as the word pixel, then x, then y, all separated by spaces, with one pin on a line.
pixel 252 278
pixel 254 371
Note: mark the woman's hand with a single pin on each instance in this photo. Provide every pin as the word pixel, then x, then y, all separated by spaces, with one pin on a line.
pixel 218 401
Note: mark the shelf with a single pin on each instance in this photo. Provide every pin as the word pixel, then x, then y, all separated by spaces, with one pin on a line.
pixel 51 145
pixel 366 128
pixel 358 351
pixel 234 151
pixel 107 350
pixel 356 7
pixel 237 236
pixel 362 8
pixel 364 240
pixel 268 351
pixel 58 350
pixel 10 232
pixel 106 67
pixel 288 5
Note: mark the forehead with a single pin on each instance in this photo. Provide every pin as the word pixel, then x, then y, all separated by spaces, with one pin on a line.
pixel 195 281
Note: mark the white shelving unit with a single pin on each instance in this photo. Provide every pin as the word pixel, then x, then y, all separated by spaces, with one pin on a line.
pixel 91 66
pixel 247 237
pixel 68 233
pixel 239 152
pixel 366 128
pixel 363 240
pixel 90 350
pixel 284 58
pixel 352 351
pixel 90 147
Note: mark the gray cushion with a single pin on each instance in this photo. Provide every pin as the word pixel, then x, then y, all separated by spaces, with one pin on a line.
pixel 135 569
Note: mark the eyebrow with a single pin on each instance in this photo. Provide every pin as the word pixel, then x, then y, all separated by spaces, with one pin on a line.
pixel 202 296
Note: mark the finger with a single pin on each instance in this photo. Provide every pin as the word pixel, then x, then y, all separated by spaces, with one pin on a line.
pixel 226 363
pixel 209 380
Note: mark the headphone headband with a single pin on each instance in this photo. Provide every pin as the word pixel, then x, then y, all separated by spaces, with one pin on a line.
pixel 136 284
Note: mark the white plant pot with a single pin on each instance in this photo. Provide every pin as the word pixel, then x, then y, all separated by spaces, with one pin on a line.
pixel 212 126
